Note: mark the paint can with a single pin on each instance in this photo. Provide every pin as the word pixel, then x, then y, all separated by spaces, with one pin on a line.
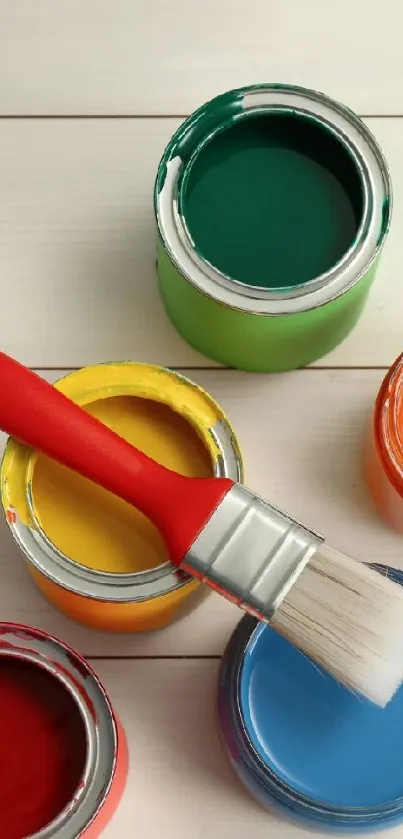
pixel 272 205
pixel 63 750
pixel 384 448
pixel 304 746
pixel 93 556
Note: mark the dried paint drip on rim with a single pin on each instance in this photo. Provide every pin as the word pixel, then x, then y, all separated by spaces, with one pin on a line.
pixel 90 525
pixel 272 200
pixel 94 557
pixel 42 748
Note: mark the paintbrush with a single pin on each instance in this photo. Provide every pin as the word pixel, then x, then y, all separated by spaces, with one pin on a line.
pixel 343 614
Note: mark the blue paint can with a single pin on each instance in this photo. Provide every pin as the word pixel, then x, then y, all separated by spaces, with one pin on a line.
pixel 305 746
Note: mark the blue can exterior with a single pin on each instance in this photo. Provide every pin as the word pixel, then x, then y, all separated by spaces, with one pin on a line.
pixel 257 776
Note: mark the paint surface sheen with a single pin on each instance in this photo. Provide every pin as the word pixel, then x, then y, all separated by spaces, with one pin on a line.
pixel 272 201
pixel 322 740
pixel 42 748
pixel 89 524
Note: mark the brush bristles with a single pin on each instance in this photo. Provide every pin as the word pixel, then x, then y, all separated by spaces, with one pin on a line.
pixel 348 618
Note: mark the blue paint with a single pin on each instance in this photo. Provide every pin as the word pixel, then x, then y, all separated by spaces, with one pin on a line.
pixel 330 746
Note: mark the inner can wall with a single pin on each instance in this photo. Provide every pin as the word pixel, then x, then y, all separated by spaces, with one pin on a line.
pixel 272 200
pixel 95 528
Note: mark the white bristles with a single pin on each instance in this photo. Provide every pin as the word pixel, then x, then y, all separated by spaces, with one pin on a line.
pixel 348 618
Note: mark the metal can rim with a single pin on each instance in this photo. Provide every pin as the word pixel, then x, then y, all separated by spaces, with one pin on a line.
pixel 77 676
pixel 349 129
pixel 141 586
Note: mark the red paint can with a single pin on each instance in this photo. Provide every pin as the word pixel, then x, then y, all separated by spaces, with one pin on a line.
pixel 63 753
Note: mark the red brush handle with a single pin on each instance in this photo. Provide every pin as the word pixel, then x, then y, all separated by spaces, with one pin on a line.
pixel 43 418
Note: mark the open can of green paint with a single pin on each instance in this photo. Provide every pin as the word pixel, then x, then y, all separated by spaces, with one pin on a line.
pixel 272 203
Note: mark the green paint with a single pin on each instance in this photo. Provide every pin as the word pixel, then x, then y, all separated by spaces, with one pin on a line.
pixel 271 200
pixel 386 212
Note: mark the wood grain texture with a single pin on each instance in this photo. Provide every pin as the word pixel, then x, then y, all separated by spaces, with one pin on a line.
pixel 104 57
pixel 77 244
pixel 302 436
pixel 180 784
pixel 78 286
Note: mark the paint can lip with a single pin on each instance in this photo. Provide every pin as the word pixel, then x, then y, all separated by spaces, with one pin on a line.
pixel 62 662
pixel 141 586
pixel 267 784
pixel 242 103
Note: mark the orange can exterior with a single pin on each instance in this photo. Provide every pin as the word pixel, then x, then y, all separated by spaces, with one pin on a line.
pixel 384 448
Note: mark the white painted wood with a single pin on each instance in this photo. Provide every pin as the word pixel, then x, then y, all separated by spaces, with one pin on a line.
pixel 180 784
pixel 78 285
pixel 120 56
pixel 302 436
pixel 77 245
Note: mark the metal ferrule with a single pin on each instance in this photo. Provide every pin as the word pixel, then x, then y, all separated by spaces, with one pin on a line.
pixel 251 552
pixel 50 654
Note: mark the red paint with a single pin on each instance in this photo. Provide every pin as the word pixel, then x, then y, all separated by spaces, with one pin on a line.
pixel 78 663
pixel 42 748
pixel 29 634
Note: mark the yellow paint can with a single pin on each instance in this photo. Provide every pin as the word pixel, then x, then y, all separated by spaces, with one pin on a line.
pixel 97 559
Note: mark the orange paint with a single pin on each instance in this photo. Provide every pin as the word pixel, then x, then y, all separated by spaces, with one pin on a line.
pixel 384 448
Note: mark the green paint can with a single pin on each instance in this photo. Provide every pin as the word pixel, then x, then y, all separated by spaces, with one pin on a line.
pixel 272 205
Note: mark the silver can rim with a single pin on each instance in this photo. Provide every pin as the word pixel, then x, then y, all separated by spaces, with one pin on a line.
pixel 68 667
pixel 105 586
pixel 347 128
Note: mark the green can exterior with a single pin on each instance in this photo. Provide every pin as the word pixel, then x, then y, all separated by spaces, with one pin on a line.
pixel 230 323
pixel 257 343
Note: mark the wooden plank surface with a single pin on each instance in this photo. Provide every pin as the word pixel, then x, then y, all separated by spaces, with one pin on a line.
pixel 77 244
pixel 302 436
pixel 104 57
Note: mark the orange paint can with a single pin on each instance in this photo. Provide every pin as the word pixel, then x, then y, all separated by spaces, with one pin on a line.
pixel 94 557
pixel 69 763
pixel 384 448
